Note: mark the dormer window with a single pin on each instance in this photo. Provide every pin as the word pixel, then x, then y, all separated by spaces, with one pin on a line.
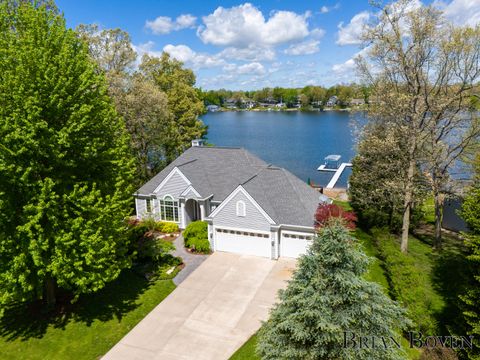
pixel 241 208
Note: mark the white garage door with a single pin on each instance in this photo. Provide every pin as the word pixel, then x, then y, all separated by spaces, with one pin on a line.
pixel 241 242
pixel 294 245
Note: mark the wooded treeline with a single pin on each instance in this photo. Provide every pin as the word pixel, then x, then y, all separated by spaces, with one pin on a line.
pixel 306 96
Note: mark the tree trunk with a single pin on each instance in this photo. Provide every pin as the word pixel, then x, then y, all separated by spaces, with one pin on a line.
pixel 438 219
pixel 407 204
pixel 50 292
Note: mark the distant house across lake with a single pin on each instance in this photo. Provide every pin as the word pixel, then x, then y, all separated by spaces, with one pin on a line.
pixel 213 108
pixel 332 101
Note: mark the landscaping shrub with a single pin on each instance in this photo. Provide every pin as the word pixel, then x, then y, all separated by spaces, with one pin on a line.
pixel 145 245
pixel 168 227
pixel 406 282
pixel 196 236
pixel 153 249
pixel 150 223
pixel 199 245
pixel 327 211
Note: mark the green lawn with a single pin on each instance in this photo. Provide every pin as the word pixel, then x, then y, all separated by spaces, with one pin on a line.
pixel 85 330
pixel 247 351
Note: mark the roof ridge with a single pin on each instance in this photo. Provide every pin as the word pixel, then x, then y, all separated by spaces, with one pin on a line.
pixel 217 147
pixel 187 162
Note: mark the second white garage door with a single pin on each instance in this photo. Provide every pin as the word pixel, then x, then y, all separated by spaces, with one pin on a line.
pixel 294 245
pixel 241 242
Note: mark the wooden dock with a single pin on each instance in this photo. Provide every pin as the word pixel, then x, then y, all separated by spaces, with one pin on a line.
pixel 336 176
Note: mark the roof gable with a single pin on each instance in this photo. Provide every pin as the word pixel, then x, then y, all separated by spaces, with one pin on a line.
pixel 241 189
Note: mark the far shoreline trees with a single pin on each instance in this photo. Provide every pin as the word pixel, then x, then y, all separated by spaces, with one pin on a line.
pixel 310 96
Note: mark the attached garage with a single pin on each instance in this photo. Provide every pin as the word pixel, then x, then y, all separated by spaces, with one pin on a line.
pixel 293 245
pixel 243 242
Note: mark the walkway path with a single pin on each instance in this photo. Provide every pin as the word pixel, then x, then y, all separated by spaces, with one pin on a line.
pixel 191 261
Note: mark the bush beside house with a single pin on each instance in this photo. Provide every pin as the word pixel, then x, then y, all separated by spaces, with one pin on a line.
pixel 196 237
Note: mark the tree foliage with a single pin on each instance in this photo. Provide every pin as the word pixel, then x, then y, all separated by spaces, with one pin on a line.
pixel 471 215
pixel 65 167
pixel 184 103
pixel 379 175
pixel 159 103
pixel 326 297
pixel 325 212
pixel 422 72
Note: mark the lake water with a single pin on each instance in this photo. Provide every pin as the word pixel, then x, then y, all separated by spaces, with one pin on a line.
pixel 297 141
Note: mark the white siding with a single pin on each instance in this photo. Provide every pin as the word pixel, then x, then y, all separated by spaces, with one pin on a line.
pixel 253 220
pixel 174 186
pixel 141 208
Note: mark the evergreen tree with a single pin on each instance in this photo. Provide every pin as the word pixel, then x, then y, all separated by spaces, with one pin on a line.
pixel 65 165
pixel 327 297
pixel 471 299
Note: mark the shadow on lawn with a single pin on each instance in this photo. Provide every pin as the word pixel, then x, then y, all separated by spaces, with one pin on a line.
pixel 24 321
pixel 449 278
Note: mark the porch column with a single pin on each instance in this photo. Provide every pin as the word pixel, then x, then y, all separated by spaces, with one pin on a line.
pixel 202 210
pixel 182 214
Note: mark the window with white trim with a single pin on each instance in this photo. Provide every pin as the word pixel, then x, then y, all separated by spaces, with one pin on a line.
pixel 241 208
pixel 168 209
pixel 149 205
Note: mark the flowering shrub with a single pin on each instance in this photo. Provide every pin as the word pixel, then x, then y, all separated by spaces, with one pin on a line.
pixel 327 211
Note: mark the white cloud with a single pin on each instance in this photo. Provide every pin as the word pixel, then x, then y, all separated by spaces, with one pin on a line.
pixel 462 12
pixel 303 48
pixel 186 21
pixel 350 33
pixel 164 24
pixel 192 58
pixel 251 53
pixel 252 68
pixel 317 33
pixel 243 26
pixel 325 9
pixel 349 66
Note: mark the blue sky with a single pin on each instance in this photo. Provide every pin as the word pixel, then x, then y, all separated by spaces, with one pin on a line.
pixel 250 45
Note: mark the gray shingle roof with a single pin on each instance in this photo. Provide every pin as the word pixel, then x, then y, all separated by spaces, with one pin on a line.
pixel 218 171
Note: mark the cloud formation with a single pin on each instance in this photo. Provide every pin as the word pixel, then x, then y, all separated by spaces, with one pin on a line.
pixel 196 60
pixel 244 25
pixel 462 12
pixel 350 33
pixel 164 24
pixel 303 48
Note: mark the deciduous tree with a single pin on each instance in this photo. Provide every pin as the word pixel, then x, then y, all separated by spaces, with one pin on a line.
pixel 421 71
pixel 65 166
pixel 184 103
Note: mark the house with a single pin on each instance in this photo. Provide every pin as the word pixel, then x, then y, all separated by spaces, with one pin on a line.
pixel 251 207
pixel 230 103
pixel 213 108
pixel 356 102
pixel 332 101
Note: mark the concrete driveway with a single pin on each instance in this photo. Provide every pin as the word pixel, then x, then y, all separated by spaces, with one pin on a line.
pixel 211 313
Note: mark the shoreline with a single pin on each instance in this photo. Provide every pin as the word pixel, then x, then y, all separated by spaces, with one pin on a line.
pixel 288 110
